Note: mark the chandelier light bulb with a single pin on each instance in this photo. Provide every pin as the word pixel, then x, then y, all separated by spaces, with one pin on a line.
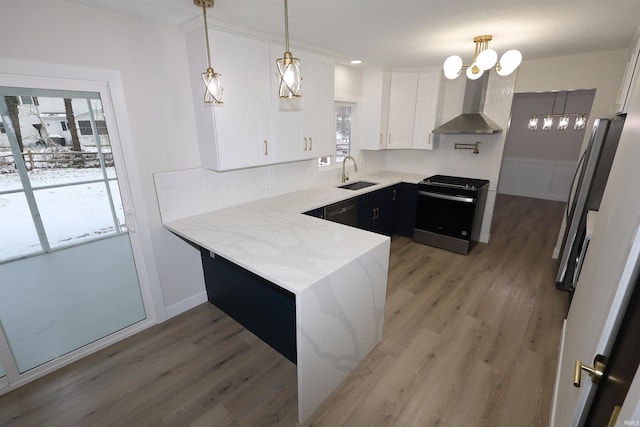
pixel 547 123
pixel 533 123
pixel 487 59
pixel 511 59
pixel 474 72
pixel 452 67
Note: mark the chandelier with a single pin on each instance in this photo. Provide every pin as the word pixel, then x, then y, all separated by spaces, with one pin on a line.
pixel 563 119
pixel 483 60
pixel 211 79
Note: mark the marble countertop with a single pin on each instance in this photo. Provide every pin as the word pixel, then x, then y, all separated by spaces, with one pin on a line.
pixel 271 238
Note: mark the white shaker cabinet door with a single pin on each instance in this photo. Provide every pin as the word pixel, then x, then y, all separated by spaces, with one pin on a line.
pixel 429 83
pixel 376 87
pixel 236 134
pixel 318 109
pixel 402 109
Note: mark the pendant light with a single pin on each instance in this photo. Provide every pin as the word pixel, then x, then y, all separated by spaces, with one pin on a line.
pixel 211 79
pixel 564 118
pixel 288 66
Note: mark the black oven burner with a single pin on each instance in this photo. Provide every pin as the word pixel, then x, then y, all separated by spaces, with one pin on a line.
pixel 450 210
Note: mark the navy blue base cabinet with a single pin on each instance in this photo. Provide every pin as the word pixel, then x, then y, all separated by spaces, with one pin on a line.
pixel 377 210
pixel 257 304
pixel 406 209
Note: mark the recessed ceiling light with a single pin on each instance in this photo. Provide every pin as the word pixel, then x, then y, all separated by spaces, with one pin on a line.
pixel 356 61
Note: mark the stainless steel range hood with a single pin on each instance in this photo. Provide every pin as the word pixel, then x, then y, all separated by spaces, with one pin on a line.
pixel 472 120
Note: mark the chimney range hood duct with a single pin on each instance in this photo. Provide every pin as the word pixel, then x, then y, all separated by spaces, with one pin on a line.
pixel 472 120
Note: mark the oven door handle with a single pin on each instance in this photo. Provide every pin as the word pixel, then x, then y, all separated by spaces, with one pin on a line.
pixel 448 197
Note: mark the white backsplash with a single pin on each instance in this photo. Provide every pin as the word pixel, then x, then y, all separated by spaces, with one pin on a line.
pixel 190 192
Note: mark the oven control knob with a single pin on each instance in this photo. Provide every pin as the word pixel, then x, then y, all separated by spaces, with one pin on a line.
pixel 464 233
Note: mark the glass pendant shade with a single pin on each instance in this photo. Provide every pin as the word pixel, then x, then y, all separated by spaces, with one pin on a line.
pixel 452 67
pixel 212 87
pixel 581 122
pixel 290 77
pixel 547 123
pixel 533 123
pixel 510 60
pixel 486 59
pixel 474 72
pixel 563 123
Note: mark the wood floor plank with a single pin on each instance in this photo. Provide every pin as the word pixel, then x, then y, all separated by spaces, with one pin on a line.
pixel 468 340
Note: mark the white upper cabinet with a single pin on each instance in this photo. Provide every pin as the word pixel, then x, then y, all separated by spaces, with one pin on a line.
pixel 254 127
pixel 236 134
pixel 376 90
pixel 427 109
pixel 317 104
pixel 400 109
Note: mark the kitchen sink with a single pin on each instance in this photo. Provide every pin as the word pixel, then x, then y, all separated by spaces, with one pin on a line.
pixel 357 185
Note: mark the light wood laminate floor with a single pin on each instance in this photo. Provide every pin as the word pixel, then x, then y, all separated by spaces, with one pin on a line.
pixel 468 341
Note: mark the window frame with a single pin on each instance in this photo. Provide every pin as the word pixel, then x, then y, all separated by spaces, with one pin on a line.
pixel 333 162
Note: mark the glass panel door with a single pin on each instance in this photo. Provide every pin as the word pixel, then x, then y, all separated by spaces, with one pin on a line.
pixel 67 267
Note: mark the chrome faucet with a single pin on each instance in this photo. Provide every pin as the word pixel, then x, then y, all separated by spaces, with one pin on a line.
pixel 345 176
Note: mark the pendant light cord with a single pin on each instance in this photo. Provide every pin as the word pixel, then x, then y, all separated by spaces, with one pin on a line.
pixel 206 32
pixel 286 25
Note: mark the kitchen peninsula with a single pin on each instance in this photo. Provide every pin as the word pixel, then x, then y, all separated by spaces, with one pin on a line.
pixel 336 274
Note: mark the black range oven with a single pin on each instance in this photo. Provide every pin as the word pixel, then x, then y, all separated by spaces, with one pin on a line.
pixel 449 212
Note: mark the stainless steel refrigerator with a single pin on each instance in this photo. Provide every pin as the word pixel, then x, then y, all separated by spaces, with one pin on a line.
pixel 587 188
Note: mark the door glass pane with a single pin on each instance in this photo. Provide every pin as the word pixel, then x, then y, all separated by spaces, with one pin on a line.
pixel 75 213
pixel 58 302
pixel 76 281
pixel 18 235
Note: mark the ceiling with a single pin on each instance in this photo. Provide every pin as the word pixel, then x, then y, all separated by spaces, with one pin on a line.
pixel 416 33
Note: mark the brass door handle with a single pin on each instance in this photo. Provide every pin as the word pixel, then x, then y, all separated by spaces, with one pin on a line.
pixel 594 371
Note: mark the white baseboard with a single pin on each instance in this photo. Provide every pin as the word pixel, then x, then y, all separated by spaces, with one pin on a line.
pixel 186 304
pixel 552 416
pixel 555 197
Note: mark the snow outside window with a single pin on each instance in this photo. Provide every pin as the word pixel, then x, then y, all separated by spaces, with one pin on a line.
pixel 56 189
pixel 343 112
